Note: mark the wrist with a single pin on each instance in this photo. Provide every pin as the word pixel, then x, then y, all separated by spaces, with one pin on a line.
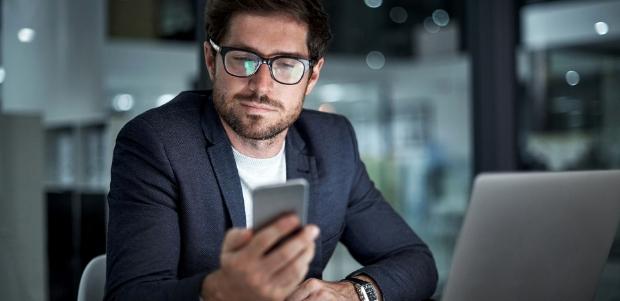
pixel 349 290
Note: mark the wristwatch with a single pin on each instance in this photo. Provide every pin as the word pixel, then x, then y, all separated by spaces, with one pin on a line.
pixel 365 290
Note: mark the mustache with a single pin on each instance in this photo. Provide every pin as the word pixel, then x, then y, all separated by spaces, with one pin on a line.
pixel 262 99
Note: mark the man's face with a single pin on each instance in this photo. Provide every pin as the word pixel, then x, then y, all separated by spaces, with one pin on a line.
pixel 258 107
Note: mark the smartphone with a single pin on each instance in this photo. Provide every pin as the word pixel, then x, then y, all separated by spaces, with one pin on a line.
pixel 274 201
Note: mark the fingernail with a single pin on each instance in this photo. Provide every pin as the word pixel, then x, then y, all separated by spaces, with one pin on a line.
pixel 314 231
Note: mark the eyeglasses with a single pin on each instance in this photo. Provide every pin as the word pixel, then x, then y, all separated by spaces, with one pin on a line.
pixel 286 70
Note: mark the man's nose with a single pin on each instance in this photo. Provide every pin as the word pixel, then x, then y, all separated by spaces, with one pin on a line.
pixel 261 82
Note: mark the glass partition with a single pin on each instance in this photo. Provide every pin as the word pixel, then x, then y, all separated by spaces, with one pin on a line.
pixel 412 121
pixel 402 78
pixel 569 68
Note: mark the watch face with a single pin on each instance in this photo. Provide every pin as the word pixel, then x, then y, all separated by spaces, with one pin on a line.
pixel 365 290
pixel 370 292
pixel 361 292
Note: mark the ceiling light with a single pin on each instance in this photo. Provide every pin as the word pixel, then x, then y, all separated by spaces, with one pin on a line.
pixel 601 28
pixel 164 99
pixel 26 35
pixel 373 3
pixel 122 102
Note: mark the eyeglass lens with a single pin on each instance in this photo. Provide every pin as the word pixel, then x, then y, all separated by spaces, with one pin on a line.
pixel 243 64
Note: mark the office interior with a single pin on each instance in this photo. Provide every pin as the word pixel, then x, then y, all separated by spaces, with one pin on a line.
pixel 438 91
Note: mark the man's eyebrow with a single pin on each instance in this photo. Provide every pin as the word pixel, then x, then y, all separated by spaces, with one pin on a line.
pixel 277 53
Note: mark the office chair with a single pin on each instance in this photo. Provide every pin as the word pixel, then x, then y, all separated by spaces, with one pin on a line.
pixel 92 282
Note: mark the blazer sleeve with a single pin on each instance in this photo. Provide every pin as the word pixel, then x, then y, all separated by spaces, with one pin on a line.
pixel 143 231
pixel 378 238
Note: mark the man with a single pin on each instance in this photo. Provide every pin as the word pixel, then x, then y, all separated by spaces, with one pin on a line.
pixel 179 197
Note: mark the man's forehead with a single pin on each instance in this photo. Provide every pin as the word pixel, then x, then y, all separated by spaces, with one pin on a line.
pixel 268 34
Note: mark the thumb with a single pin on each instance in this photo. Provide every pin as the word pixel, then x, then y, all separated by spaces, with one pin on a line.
pixel 235 239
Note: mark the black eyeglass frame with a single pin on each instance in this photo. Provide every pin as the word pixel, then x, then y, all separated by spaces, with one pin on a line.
pixel 222 50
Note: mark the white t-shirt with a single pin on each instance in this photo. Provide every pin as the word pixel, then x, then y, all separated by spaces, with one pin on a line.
pixel 255 172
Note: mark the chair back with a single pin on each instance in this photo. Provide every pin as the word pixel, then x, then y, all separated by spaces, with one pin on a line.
pixel 92 283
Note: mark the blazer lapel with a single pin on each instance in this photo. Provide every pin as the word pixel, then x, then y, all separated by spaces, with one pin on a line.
pixel 223 162
pixel 301 164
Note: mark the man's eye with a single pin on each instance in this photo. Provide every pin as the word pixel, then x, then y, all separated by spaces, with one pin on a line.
pixel 287 64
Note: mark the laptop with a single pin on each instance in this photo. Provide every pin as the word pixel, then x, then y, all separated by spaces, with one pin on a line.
pixel 535 236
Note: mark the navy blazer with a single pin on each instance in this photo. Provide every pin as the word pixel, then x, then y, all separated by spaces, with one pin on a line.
pixel 175 191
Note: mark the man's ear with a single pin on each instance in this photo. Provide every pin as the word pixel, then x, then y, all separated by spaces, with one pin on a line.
pixel 209 59
pixel 314 76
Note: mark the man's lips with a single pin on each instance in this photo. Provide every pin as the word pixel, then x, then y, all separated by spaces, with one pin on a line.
pixel 254 106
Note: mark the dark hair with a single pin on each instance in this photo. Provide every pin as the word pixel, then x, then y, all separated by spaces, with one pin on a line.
pixel 218 14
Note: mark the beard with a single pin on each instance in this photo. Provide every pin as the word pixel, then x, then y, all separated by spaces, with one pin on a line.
pixel 254 126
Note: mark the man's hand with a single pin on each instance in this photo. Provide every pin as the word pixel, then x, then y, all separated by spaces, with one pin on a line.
pixel 248 272
pixel 319 290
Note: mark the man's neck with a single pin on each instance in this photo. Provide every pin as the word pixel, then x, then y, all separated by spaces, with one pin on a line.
pixel 260 149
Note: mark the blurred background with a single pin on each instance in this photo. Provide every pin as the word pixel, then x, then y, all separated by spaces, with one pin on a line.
pixel 437 90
